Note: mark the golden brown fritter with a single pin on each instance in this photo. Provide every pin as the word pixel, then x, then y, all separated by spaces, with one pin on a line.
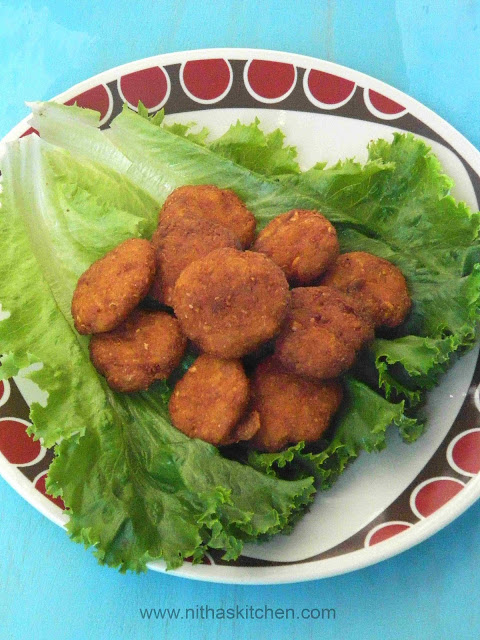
pixel 333 310
pixel 113 286
pixel 322 333
pixel 222 206
pixel 180 241
pixel 303 243
pixel 245 429
pixel 376 287
pixel 291 408
pixel 314 352
pixel 210 399
pixel 146 347
pixel 231 301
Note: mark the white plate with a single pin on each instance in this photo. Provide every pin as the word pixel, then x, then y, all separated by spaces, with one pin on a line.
pixel 328 112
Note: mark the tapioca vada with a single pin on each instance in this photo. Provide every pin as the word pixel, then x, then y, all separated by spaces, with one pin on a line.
pixel 290 408
pixel 376 287
pixel 222 206
pixel 180 241
pixel 210 399
pixel 322 333
pixel 302 243
pixel 230 302
pixel 113 286
pixel 148 346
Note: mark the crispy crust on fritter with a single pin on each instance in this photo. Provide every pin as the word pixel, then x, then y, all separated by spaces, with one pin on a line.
pixel 179 242
pixel 334 311
pixel 113 286
pixel 210 399
pixel 322 333
pixel 231 301
pixel 291 408
pixel 302 243
pixel 222 206
pixel 376 287
pixel 148 346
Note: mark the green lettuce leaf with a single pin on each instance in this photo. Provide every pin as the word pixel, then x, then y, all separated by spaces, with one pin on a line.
pixel 395 206
pixel 38 329
pixel 360 426
pixel 410 365
pixel 138 489
pixel 250 147
pixel 245 144
pixel 158 161
pixel 401 185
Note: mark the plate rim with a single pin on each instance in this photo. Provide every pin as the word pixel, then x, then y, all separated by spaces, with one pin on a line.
pixel 316 569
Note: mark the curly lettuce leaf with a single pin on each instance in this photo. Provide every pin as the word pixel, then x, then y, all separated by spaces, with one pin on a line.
pixel 138 489
pixel 245 144
pixel 361 426
pixel 250 147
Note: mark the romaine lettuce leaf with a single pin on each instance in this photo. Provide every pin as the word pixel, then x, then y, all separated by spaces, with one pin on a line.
pixel 135 487
pixel 37 330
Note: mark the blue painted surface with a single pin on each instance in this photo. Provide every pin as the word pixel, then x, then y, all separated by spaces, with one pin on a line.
pixel 51 588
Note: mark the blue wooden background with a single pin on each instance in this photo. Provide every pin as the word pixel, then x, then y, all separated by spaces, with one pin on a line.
pixel 52 588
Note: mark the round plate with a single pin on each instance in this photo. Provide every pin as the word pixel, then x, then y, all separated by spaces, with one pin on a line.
pixel 328 112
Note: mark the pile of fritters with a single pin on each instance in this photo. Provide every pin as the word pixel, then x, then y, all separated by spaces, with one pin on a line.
pixel 285 302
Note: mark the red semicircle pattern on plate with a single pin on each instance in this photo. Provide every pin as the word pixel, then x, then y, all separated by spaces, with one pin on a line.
pixel 385 531
pixel 29 132
pixel 383 104
pixel 15 444
pixel 207 79
pixel 96 98
pixel 271 80
pixel 465 452
pixel 433 494
pixel 40 486
pixel 150 86
pixel 329 89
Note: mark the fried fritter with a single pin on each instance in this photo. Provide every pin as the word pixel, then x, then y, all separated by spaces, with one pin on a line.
pixel 113 286
pixel 376 287
pixel 302 243
pixel 146 347
pixel 231 301
pixel 210 399
pixel 222 206
pixel 245 429
pixel 180 241
pixel 322 333
pixel 333 310
pixel 291 408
